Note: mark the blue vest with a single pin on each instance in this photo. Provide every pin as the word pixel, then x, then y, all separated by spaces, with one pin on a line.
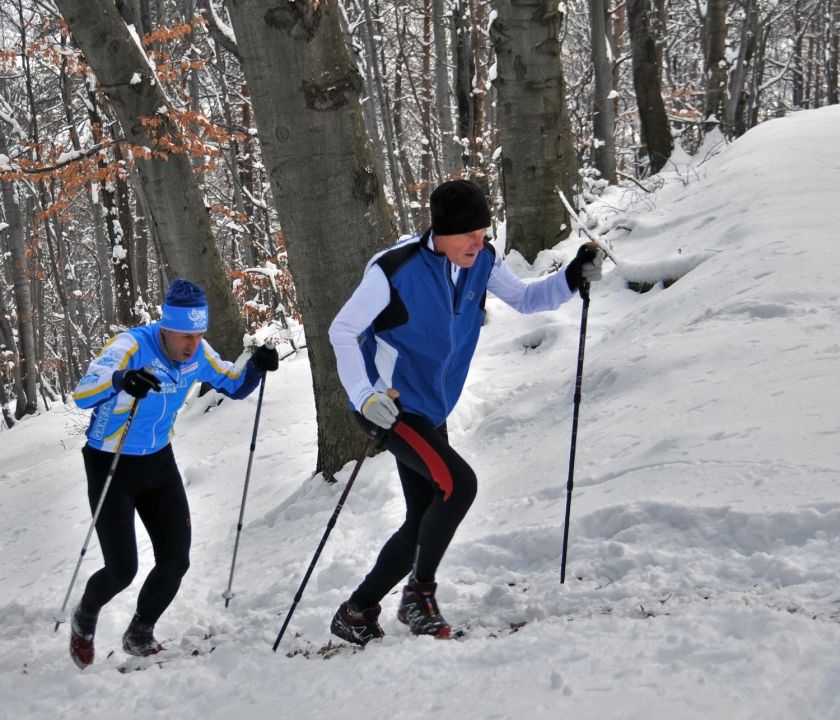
pixel 422 343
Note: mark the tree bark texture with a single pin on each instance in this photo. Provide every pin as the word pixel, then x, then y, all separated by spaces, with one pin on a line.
pixel 443 92
pixel 655 129
pixel 737 101
pixel 830 55
pixel 715 61
pixel 534 126
pixel 328 195
pixel 463 71
pixel 385 114
pixel 603 109
pixel 7 339
pixel 27 399
pixel 175 201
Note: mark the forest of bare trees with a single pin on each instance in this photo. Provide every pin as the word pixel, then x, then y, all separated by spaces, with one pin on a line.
pixel 265 148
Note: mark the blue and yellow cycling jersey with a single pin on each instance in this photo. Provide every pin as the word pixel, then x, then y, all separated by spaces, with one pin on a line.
pixel 151 428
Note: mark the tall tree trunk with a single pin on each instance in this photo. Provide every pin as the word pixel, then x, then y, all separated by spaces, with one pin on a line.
pixel 5 352
pixel 241 204
pixel 534 127
pixel 124 247
pixel 329 198
pixel 831 41
pixel 118 247
pixel 737 96
pixel 51 224
pixel 9 348
pixel 180 220
pixel 443 93
pixel 715 63
pixel 757 77
pixel 657 139
pixel 418 212
pixel 603 111
pixel 386 116
pixel 464 72
pixel 478 160
pixel 427 140
pixel 144 239
pixel 103 291
pixel 797 73
pixel 27 400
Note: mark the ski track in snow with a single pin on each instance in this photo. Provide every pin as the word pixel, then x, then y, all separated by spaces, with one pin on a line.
pixel 702 578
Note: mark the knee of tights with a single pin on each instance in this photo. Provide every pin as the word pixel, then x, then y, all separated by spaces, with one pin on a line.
pixel 174 568
pixel 464 489
pixel 123 577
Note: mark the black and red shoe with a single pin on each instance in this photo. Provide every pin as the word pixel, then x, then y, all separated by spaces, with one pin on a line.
pixel 82 629
pixel 419 611
pixel 355 625
pixel 139 639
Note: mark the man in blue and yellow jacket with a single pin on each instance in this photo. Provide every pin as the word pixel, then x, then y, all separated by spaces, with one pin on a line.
pixel 153 366
pixel 412 325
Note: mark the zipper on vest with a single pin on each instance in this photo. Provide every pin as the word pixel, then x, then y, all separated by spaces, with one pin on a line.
pixel 450 289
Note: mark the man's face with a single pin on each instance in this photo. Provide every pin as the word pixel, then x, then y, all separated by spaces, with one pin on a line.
pixel 463 249
pixel 180 346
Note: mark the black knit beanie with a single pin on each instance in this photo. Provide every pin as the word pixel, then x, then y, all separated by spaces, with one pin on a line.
pixel 458 206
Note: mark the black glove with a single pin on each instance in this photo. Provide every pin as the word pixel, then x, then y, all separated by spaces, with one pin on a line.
pixel 136 383
pixel 265 358
pixel 586 265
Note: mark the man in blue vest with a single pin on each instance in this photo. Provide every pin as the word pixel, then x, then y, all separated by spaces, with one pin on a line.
pixel 154 366
pixel 412 325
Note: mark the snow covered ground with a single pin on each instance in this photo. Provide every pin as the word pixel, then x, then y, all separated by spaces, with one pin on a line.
pixel 703 575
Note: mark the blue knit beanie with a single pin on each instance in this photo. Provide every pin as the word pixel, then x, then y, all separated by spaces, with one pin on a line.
pixel 185 308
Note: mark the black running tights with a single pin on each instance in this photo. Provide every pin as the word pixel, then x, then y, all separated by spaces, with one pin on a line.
pixel 151 486
pixel 439 487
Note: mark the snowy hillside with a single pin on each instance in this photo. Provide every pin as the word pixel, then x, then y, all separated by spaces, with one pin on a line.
pixel 703 576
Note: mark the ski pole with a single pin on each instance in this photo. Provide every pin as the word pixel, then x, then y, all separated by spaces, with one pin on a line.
pixel 584 294
pixel 60 618
pixel 227 594
pixel 372 439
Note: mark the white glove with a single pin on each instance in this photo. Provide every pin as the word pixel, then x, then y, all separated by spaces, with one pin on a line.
pixel 585 266
pixel 591 271
pixel 381 410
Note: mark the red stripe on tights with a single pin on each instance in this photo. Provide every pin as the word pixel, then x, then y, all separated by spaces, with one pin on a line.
pixel 440 473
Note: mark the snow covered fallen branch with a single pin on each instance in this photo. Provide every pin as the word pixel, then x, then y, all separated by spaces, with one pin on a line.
pixel 641 276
